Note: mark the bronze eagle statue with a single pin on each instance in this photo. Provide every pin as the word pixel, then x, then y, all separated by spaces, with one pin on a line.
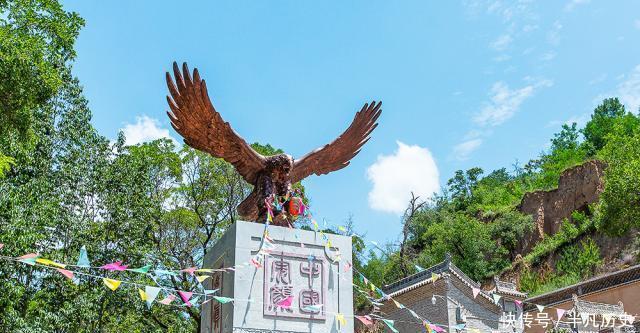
pixel 194 117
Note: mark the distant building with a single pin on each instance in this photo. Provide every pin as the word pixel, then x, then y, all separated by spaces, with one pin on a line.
pixel 596 301
pixel 449 301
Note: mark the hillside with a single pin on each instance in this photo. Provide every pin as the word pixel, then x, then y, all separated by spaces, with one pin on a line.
pixel 566 215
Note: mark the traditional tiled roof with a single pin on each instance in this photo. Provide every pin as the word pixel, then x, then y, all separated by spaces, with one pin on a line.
pixel 582 306
pixel 422 278
pixel 507 288
pixel 603 282
pixel 416 280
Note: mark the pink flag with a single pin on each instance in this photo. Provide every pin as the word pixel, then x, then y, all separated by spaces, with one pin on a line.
pixel 115 266
pixel 256 263
pixel 167 300
pixel 436 328
pixel 476 291
pixel 28 256
pixel 286 303
pixel 189 270
pixel 185 296
pixel 519 303
pixel 347 266
pixel 1 246
pixel 68 274
pixel 560 313
pixel 365 320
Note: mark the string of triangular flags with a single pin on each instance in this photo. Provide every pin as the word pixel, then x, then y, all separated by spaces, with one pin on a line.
pixel 150 293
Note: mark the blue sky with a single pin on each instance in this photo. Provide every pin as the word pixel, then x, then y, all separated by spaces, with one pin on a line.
pixel 463 83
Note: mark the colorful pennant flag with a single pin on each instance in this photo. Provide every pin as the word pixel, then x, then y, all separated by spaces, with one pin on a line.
pixel 436 328
pixel 205 270
pixel 151 294
pixel 313 308
pixel 560 313
pixel 518 303
pixel 185 296
pixel 115 266
pixel 459 327
pixel 48 262
pixel 189 270
pixel 365 320
pixel 256 263
pixel 167 300
pixel 496 298
pixel 111 283
pixel 434 277
pixel 83 258
pixel 340 319
pixel 540 307
pixel 144 269
pixel 419 269
pixel 390 325
pixel 66 273
pixel 223 300
pixel 143 295
pixel 201 278
pixel 28 258
pixel 286 303
pixel 347 266
pixel 398 305
pixel 210 291
pixel 475 291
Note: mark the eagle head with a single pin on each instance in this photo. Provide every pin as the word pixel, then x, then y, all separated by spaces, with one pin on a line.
pixel 279 167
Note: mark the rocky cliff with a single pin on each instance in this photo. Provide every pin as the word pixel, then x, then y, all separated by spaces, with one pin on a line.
pixel 577 188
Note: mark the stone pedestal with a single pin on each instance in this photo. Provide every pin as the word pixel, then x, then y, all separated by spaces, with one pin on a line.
pixel 299 266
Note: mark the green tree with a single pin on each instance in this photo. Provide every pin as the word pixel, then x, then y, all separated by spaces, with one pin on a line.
pixel 621 198
pixel 461 186
pixel 36 46
pixel 603 120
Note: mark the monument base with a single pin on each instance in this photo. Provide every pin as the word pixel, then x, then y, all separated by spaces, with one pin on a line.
pixel 293 281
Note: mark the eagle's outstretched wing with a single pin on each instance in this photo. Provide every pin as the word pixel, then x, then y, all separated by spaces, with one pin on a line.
pixel 337 154
pixel 194 117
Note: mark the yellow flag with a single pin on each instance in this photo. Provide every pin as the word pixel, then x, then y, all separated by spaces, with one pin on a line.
pixel 111 283
pixel 329 243
pixel 340 319
pixel 397 304
pixel 143 295
pixel 201 278
pixel 204 270
pixel 373 288
pixel 434 277
pixel 50 263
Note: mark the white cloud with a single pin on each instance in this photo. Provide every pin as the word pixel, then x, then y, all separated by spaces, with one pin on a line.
pixel 502 42
pixel 548 56
pixel 574 3
pixel 394 177
pixel 505 102
pixel 629 90
pixel 462 150
pixel 144 129
pixel 502 58
pixel 553 36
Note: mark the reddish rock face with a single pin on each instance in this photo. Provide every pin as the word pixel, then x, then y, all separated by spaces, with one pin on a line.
pixel 577 188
